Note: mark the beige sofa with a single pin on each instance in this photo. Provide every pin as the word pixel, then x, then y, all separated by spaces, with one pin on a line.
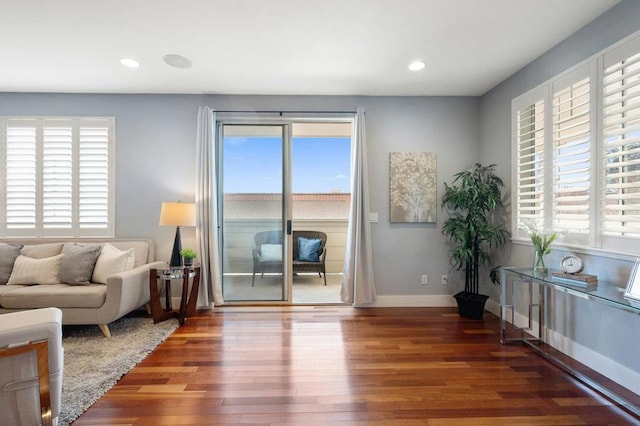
pixel 85 303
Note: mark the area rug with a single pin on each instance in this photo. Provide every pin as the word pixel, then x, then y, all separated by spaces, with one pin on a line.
pixel 93 363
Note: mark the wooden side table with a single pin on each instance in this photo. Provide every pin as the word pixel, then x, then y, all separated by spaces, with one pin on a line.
pixel 187 300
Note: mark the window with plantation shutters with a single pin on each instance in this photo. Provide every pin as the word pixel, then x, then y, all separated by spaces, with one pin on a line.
pixel 529 163
pixel 620 205
pixel 58 179
pixel 577 165
pixel 571 168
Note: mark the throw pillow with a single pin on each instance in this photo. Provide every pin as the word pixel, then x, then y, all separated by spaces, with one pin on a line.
pixel 112 261
pixel 78 263
pixel 41 251
pixel 27 270
pixel 8 255
pixel 308 249
pixel 271 253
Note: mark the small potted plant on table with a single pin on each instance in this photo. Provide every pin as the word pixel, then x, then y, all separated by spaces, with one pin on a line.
pixel 188 255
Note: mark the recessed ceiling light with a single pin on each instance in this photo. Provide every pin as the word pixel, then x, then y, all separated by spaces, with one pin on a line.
pixel 416 65
pixel 177 61
pixel 128 62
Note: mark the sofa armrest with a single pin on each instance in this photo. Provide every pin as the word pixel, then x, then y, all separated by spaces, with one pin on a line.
pixel 128 290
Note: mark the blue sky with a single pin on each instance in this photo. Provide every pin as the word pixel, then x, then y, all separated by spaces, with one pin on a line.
pixel 255 164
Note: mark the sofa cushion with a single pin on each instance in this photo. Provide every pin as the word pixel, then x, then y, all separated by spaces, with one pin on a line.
pixel 78 263
pixel 58 295
pixel 112 261
pixel 7 288
pixel 40 251
pixel 8 255
pixel 27 270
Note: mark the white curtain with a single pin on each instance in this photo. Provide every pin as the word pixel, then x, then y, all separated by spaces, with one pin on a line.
pixel 358 287
pixel 210 291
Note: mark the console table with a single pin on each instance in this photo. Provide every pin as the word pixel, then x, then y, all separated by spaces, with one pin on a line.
pixel 524 283
pixel 187 300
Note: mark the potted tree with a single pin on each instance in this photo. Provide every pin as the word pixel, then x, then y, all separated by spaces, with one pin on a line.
pixel 188 255
pixel 469 202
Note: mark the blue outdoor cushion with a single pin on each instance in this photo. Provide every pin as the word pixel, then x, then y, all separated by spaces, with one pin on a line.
pixel 308 249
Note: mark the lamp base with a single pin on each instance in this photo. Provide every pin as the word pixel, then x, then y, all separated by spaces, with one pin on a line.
pixel 176 259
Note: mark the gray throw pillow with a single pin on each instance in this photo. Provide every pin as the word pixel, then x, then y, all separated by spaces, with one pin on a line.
pixel 8 255
pixel 78 263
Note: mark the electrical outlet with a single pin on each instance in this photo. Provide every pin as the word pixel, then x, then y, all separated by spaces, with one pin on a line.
pixel 445 280
pixel 425 280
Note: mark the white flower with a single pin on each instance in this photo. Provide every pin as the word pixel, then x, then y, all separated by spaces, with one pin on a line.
pixel 541 239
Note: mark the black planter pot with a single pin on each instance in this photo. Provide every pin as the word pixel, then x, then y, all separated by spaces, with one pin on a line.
pixel 470 305
pixel 188 261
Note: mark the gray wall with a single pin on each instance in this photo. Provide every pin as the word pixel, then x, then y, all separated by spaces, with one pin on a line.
pixel 595 327
pixel 155 137
pixel 155 151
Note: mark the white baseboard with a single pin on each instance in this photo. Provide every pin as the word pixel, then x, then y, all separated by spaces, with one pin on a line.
pixel 414 301
pixel 620 374
pixel 493 307
pixel 427 301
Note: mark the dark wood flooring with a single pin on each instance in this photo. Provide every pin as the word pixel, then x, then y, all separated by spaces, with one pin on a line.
pixel 341 366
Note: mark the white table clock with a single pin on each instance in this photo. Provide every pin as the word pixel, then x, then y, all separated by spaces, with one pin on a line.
pixel 572 264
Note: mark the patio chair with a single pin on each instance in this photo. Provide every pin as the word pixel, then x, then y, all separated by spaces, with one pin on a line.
pixel 307 265
pixel 267 253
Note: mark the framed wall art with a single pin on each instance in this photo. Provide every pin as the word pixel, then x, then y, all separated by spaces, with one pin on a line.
pixel 412 187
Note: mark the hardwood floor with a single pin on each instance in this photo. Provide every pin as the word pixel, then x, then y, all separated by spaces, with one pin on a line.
pixel 342 366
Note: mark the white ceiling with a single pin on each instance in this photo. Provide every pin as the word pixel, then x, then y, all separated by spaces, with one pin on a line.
pixel 311 47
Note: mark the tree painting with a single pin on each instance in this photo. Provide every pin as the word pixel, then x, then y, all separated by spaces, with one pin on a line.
pixel 412 186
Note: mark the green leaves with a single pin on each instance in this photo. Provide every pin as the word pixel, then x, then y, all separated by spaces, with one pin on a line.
pixel 188 253
pixel 469 200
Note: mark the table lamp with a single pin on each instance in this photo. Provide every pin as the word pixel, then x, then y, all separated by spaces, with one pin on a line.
pixel 177 214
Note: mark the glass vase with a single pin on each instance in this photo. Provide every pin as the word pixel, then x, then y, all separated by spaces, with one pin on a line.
pixel 538 263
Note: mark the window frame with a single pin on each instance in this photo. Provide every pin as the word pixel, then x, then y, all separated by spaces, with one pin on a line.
pixel 530 98
pixel 594 69
pixel 76 125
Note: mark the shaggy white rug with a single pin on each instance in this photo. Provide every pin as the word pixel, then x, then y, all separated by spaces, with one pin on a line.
pixel 93 363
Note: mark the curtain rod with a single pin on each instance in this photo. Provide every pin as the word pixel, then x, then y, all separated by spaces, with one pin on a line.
pixel 284 112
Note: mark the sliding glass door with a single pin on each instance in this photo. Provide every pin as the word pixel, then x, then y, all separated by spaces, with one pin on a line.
pixel 254 212
pixel 283 184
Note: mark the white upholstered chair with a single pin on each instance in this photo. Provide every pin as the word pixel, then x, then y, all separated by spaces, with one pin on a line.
pixel 31 363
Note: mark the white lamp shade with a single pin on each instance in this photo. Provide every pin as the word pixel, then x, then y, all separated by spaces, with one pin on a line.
pixel 178 214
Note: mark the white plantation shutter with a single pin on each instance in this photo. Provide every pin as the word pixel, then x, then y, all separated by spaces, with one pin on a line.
pixel 529 161
pixel 620 204
pixel 21 175
pixel 59 177
pixel 94 185
pixel 571 169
